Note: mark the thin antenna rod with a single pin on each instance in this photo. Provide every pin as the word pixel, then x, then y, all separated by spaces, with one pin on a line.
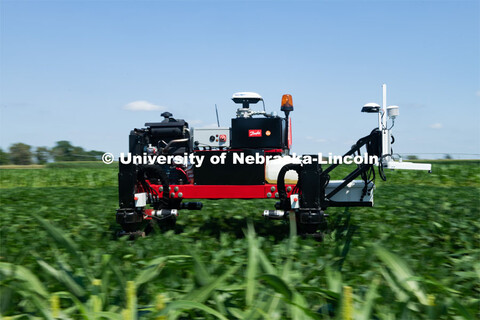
pixel 216 111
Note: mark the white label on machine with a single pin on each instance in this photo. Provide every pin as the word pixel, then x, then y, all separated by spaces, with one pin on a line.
pixel 294 201
pixel 140 199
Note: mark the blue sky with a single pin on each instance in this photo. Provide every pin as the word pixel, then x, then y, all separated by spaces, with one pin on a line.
pixel 69 68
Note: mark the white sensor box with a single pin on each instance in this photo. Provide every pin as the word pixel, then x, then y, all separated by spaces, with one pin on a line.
pixel 211 137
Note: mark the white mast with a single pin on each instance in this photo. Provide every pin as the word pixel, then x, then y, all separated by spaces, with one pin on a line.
pixel 382 116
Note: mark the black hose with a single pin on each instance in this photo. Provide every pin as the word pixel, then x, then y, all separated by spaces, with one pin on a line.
pixel 147 172
pixel 281 178
pixel 380 167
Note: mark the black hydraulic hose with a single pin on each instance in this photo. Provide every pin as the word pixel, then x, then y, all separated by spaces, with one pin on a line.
pixel 367 140
pixel 281 178
pixel 380 167
pixel 151 171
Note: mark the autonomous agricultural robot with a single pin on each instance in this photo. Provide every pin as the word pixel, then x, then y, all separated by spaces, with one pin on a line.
pixel 169 164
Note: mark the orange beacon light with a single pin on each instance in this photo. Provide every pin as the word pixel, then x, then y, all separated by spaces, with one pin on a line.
pixel 287 104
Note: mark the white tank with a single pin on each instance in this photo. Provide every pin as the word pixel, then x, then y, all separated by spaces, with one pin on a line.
pixel 272 168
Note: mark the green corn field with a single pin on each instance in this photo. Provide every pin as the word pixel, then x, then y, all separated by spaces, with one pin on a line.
pixel 415 255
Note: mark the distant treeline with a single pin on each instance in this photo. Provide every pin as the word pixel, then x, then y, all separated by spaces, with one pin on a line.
pixel 24 154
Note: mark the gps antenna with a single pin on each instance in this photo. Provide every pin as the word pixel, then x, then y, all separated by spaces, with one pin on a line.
pixel 216 111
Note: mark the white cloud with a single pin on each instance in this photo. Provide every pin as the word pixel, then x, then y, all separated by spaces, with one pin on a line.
pixel 478 93
pixel 142 105
pixel 436 125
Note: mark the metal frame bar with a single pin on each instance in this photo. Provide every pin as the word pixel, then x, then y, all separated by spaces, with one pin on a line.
pixel 191 191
